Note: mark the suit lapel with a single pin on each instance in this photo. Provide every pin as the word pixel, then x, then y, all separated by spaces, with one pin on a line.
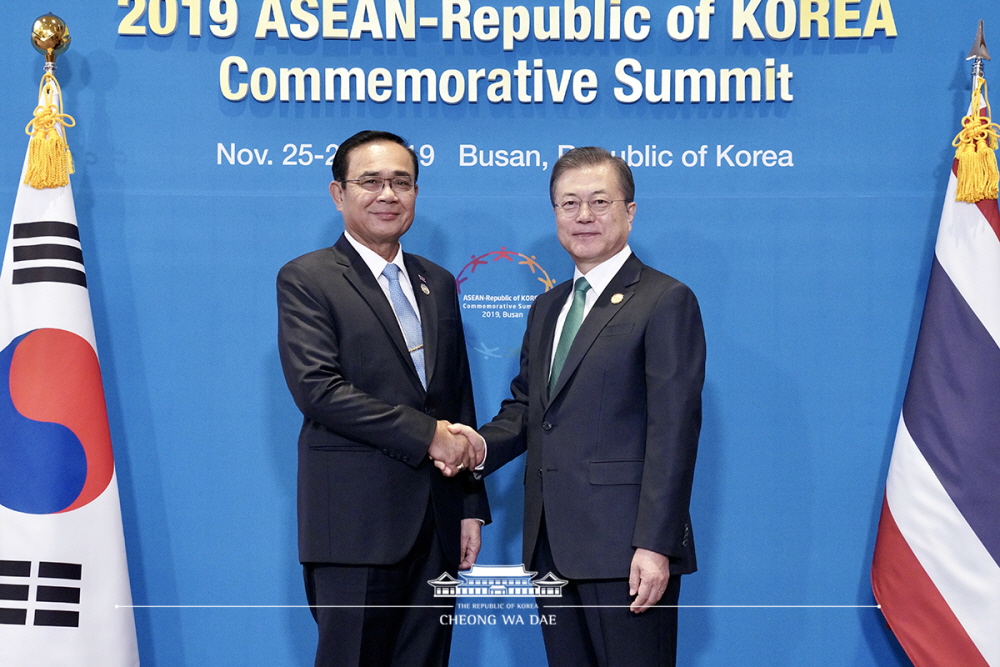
pixel 360 277
pixel 428 304
pixel 623 283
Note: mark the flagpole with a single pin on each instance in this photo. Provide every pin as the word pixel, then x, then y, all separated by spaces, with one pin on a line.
pixel 60 511
pixel 934 570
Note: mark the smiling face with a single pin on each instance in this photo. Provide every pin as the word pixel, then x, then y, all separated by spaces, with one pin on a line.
pixel 588 238
pixel 377 219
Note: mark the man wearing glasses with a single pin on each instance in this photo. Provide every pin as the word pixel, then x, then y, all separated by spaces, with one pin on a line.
pixel 607 404
pixel 373 351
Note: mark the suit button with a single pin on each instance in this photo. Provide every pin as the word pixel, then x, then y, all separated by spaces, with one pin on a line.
pixel 539 472
pixel 546 426
pixel 427 411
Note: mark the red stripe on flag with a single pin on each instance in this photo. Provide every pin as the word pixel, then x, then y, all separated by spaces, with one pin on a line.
pixel 988 207
pixel 913 607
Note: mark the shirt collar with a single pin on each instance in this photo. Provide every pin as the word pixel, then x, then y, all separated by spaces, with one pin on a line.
pixel 601 275
pixel 376 263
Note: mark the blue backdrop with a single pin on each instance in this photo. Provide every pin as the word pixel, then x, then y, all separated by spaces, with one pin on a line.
pixel 804 221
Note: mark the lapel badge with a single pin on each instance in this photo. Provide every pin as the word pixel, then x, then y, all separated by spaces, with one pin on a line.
pixel 617 298
pixel 425 289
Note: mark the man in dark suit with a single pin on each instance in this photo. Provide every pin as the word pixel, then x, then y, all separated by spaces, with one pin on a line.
pixel 373 351
pixel 607 404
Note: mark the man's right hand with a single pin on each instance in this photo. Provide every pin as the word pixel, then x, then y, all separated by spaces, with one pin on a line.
pixel 476 441
pixel 451 453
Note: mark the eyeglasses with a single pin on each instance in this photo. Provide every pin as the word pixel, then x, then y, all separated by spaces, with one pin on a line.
pixel 597 206
pixel 399 184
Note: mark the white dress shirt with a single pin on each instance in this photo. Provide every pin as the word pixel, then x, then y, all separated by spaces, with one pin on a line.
pixel 377 264
pixel 598 277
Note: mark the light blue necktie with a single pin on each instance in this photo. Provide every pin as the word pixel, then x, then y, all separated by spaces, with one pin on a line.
pixel 574 318
pixel 408 321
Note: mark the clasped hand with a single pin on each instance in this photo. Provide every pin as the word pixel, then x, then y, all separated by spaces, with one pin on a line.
pixel 456 447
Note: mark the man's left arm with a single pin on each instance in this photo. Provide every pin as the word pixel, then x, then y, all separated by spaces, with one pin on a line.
pixel 675 375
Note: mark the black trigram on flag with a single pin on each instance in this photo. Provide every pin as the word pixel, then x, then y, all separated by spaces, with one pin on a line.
pixel 47 252
pixel 56 599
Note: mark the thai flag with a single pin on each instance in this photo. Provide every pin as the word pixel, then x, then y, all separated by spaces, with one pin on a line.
pixel 64 586
pixel 936 568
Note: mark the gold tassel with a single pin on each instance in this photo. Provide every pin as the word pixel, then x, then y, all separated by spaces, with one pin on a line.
pixel 49 159
pixel 975 145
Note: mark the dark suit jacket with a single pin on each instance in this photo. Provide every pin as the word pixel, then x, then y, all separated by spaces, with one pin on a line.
pixel 611 452
pixel 364 480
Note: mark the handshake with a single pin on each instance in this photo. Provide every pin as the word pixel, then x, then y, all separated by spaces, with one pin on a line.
pixel 456 447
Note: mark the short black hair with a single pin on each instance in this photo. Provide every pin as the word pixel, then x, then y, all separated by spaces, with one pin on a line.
pixel 340 159
pixel 592 156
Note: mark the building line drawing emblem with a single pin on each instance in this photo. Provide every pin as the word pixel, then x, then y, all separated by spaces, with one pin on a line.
pixel 497 581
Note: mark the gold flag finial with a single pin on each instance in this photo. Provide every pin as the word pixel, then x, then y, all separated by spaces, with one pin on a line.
pixel 50 37
pixel 49 160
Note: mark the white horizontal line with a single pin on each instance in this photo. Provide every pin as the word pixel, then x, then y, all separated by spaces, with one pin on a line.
pixel 551 606
pixel 720 606
pixel 281 606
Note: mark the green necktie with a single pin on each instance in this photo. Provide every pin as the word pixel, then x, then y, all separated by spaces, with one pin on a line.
pixel 574 318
